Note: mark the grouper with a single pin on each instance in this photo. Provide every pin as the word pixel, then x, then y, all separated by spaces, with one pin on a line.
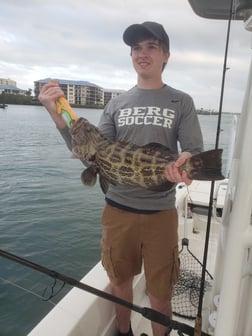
pixel 125 163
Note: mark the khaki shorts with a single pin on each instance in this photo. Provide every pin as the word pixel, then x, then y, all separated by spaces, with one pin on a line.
pixel 129 239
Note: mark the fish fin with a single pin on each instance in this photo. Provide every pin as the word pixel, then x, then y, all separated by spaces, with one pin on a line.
pixel 74 156
pixel 89 176
pixel 167 185
pixel 104 184
pixel 206 166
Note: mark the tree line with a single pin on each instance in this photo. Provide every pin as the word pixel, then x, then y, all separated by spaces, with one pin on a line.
pixel 18 99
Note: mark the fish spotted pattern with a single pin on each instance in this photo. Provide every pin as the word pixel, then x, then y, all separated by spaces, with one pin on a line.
pixel 128 164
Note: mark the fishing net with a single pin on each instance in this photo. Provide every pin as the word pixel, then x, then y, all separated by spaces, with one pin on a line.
pixel 186 292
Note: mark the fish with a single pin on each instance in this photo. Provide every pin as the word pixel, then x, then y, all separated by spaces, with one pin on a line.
pixel 124 163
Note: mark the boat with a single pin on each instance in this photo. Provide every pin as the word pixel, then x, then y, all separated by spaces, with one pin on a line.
pixel 214 222
pixel 82 313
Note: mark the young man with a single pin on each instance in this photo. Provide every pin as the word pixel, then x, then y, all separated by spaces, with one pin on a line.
pixel 139 225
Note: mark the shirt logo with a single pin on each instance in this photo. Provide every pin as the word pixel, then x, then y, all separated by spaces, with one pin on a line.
pixel 149 115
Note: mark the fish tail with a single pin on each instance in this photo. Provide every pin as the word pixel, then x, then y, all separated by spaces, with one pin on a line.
pixel 206 166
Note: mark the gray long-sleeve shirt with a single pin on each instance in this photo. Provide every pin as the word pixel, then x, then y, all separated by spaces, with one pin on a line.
pixel 166 116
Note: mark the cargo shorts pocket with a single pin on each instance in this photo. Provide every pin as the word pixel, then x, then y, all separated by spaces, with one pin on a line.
pixel 175 267
pixel 107 262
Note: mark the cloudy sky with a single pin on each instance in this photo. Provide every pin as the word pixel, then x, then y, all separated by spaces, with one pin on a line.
pixel 82 40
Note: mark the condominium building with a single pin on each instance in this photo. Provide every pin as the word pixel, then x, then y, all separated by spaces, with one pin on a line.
pixel 7 81
pixel 9 86
pixel 109 94
pixel 76 92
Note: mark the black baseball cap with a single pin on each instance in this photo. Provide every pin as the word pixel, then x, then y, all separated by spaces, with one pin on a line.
pixel 155 29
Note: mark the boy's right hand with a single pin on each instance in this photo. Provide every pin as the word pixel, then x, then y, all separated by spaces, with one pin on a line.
pixel 48 95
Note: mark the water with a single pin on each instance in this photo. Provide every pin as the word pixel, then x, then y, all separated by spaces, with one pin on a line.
pixel 46 214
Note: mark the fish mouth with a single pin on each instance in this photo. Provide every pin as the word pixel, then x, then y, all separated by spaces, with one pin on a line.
pixel 92 158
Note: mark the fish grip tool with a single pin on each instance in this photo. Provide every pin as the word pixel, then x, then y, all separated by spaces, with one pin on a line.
pixel 186 292
pixel 148 313
pixel 64 108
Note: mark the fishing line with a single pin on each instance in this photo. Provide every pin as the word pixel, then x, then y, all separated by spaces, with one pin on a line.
pixel 198 320
pixel 53 293
pixel 189 194
pixel 28 290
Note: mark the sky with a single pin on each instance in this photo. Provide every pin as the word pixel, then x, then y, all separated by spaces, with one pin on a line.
pixel 82 40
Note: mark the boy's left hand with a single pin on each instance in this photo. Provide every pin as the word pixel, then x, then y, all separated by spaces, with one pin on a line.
pixel 172 173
